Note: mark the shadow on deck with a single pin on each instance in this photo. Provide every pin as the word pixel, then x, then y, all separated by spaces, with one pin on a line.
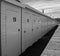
pixel 38 47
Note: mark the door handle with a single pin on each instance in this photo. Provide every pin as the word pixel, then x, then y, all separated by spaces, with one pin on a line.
pixel 18 29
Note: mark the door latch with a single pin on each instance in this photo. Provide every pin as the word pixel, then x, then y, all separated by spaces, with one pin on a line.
pixel 18 29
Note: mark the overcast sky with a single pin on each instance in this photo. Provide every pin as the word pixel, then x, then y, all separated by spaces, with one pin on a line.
pixel 40 4
pixel 50 6
pixel 44 4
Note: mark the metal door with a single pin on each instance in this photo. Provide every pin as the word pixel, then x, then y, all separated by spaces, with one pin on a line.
pixel 13 33
pixel 26 29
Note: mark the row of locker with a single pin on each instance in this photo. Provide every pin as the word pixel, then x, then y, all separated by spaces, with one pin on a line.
pixel 20 28
pixel 33 27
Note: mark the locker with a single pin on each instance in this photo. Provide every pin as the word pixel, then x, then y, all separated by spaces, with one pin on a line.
pixel 26 37
pixel 43 24
pixel 50 23
pixel 26 16
pixel 38 27
pixel 26 29
pixel 34 27
pixel 13 32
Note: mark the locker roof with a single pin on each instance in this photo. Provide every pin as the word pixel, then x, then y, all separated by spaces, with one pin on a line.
pixel 26 6
pixel 15 3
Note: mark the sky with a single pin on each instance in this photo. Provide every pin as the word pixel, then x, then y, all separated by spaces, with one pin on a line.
pixel 42 4
pixel 51 7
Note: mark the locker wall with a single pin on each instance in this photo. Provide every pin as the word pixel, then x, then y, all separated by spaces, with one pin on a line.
pixel 34 26
pixel 10 26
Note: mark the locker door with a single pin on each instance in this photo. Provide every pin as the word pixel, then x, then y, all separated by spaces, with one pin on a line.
pixel 13 33
pixel 26 30
pixel 34 27
pixel 38 27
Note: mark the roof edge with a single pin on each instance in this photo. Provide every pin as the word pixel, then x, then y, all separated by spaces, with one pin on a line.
pixel 25 6
pixel 15 3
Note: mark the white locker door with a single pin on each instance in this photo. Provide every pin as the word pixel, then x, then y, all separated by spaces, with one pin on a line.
pixel 13 33
pixel 26 30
